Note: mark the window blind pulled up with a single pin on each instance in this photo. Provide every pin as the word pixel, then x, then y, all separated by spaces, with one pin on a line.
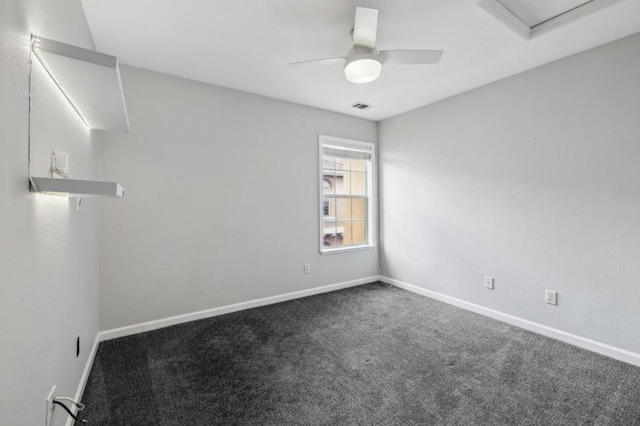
pixel 348 153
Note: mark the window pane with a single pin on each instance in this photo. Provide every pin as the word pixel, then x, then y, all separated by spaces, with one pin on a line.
pixel 348 206
pixel 328 163
pixel 329 208
pixel 343 208
pixel 358 183
pixel 340 163
pixel 358 209
pixel 359 165
pixel 329 241
pixel 329 233
pixel 343 184
pixel 326 186
pixel 331 173
pixel 358 232
pixel 344 233
pixel 326 190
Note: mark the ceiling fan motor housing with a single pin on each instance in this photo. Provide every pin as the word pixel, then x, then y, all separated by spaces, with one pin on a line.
pixel 362 64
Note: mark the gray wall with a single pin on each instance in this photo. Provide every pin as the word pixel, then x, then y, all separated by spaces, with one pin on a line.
pixel 48 251
pixel 221 204
pixel 534 180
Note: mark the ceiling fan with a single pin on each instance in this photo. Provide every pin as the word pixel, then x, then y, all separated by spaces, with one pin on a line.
pixel 363 62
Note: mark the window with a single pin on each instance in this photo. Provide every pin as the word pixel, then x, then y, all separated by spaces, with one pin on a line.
pixel 346 194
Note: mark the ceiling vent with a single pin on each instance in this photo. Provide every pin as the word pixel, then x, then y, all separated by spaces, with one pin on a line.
pixel 360 105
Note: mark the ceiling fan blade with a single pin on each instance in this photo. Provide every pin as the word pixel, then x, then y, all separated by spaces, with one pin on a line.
pixel 410 57
pixel 365 27
pixel 318 62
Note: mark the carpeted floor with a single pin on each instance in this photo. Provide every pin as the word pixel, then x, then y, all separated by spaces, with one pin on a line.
pixel 369 355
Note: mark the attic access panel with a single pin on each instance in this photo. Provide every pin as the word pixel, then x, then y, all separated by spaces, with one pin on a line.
pixel 534 13
pixel 531 17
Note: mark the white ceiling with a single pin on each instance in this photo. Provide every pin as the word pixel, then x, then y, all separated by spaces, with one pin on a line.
pixel 247 44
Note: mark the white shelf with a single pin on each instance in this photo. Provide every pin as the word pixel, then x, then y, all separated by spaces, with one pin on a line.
pixel 76 187
pixel 89 80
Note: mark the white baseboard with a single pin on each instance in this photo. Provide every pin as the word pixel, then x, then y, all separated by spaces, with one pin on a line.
pixel 591 345
pixel 84 377
pixel 582 342
pixel 179 319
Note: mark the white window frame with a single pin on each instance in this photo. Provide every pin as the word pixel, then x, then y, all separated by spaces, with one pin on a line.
pixel 372 205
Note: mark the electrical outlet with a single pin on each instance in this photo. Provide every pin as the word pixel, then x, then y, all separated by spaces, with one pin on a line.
pixel 50 406
pixel 550 297
pixel 488 283
pixel 307 268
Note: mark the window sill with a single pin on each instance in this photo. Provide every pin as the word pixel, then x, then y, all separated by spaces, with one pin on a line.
pixel 347 249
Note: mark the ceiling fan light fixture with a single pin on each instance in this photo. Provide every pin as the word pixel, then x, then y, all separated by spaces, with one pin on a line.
pixel 362 70
pixel 363 62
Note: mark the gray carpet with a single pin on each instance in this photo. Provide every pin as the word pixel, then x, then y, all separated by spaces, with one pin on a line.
pixel 369 355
